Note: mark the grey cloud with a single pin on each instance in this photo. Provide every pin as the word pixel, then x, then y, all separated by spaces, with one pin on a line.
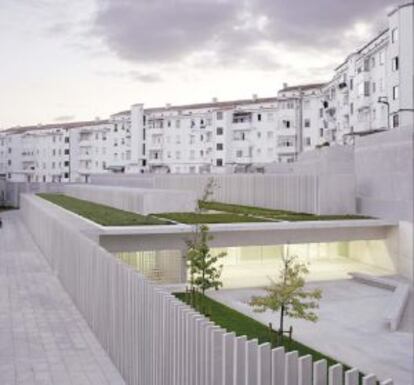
pixel 64 118
pixel 135 75
pixel 162 30
pixel 318 22
pixel 145 77
pixel 170 30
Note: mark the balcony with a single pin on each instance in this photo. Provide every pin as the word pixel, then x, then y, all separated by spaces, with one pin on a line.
pixel 85 156
pixel 242 126
pixel 85 143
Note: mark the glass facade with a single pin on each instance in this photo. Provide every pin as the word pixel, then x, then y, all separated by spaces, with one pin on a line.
pixel 252 266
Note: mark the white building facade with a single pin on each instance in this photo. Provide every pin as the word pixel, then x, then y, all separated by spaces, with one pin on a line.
pixel 372 91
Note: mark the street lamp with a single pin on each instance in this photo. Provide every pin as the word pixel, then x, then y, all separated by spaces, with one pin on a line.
pixel 384 100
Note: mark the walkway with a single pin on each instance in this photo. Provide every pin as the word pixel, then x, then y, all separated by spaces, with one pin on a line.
pixel 43 338
pixel 350 328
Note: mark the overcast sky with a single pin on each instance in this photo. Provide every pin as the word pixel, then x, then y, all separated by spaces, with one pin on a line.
pixel 65 60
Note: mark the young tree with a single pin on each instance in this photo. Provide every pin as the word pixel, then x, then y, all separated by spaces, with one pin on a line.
pixel 204 268
pixel 288 296
pixel 208 192
pixel 205 271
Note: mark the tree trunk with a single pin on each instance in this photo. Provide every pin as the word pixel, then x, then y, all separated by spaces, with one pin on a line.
pixel 282 314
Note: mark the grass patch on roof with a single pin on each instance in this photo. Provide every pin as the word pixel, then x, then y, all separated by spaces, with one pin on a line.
pixel 202 218
pixel 101 214
pixel 272 214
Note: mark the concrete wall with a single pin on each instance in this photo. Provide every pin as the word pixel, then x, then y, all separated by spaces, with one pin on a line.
pixel 384 174
pixel 152 337
pixel 12 190
pixel 312 193
pixel 384 181
pixel 143 201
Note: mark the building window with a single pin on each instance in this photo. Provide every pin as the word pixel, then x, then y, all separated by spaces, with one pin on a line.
pixel 395 120
pixel 67 139
pixel 286 123
pixel 351 84
pixel 321 112
pixel 259 117
pixel 219 115
pixel 66 164
pixel 177 124
pixel 219 162
pixel 66 152
pixel 394 35
pixel 219 146
pixel 395 92
pixel 321 132
pixel 374 87
pixel 308 141
pixel 382 57
pixel 372 61
pixel 177 155
pixel 66 175
pixel 395 63
pixel 307 123
pixel 219 131
pixel 239 154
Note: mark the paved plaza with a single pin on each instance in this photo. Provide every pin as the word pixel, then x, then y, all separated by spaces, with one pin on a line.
pixel 351 328
pixel 43 338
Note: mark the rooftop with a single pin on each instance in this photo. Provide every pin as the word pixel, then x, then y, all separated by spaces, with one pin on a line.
pixel 64 126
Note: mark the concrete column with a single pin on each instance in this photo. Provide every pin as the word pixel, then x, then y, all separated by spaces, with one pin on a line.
pixel 240 361
pixel 291 368
pixel 217 357
pixel 251 362
pixel 369 380
pixel 305 370
pixel 320 374
pixel 278 366
pixel 336 375
pixel 228 355
pixel 264 364
pixel 352 377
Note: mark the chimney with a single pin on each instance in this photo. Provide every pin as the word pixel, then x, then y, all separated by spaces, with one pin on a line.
pixel 215 100
pixel 255 97
pixel 285 85
pixel 168 106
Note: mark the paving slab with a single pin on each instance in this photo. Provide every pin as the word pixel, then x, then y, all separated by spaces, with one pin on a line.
pixel 43 337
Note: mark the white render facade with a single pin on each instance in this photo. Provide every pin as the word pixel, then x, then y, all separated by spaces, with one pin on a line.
pixel 371 91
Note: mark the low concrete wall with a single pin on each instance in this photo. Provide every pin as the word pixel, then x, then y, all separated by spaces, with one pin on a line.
pixel 318 194
pixel 12 190
pixel 152 337
pixel 143 201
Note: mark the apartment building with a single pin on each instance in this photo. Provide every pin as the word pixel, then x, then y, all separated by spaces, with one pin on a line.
pixel 372 90
pixel 217 136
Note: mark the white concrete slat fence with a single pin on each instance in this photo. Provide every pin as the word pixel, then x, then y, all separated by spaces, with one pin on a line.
pixel 152 337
